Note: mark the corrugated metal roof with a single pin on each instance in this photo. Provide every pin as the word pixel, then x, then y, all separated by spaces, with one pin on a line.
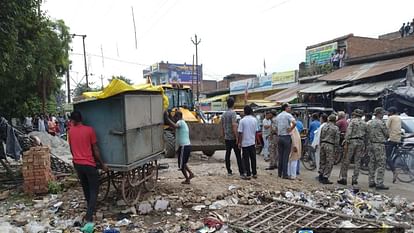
pixel 352 99
pixel 288 94
pixel 322 88
pixel 367 88
pixel 357 72
pixel 215 98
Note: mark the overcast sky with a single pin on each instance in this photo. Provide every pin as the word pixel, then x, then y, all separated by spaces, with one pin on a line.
pixel 236 35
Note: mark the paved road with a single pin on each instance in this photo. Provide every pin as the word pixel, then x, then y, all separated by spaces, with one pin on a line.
pixel 399 188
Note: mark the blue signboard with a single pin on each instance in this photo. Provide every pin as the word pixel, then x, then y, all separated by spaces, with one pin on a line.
pixel 182 73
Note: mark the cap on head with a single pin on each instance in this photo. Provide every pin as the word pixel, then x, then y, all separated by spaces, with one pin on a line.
pixel 379 110
pixel 332 118
pixel 358 112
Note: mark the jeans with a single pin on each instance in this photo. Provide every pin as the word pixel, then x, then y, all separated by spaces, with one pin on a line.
pixel 231 144
pixel 89 179
pixel 249 156
pixel 284 146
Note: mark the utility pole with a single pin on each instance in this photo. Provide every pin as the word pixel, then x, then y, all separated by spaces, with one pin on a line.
pixel 84 59
pixel 196 43
pixel 192 81
pixel 68 84
pixel 102 82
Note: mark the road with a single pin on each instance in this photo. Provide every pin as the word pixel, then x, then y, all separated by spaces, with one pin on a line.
pixel 216 164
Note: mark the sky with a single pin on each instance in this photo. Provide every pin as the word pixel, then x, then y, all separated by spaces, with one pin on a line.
pixel 236 35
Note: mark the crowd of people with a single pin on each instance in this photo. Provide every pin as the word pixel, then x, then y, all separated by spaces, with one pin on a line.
pixel 327 134
pixel 407 29
pixel 52 124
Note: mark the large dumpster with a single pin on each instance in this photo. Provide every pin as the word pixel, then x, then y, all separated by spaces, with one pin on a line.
pixel 129 130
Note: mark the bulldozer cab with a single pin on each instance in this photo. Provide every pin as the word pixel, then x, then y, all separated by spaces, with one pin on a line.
pixel 180 97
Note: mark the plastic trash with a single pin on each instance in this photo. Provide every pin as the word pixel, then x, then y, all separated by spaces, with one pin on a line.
pixel 123 222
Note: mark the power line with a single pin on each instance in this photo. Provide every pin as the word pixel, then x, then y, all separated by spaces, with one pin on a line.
pixel 112 59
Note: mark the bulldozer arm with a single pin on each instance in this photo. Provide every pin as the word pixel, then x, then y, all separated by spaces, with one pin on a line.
pixel 206 137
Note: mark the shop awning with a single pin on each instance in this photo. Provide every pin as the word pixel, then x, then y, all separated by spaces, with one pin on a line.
pixel 261 103
pixel 364 91
pixel 352 99
pixel 215 98
pixel 318 88
pixel 369 89
pixel 288 94
pixel 362 71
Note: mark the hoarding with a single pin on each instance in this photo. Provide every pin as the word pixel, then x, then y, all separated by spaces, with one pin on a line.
pixel 252 84
pixel 322 54
pixel 283 77
pixel 182 73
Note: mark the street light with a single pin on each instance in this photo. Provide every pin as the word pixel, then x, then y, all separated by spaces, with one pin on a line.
pixel 84 58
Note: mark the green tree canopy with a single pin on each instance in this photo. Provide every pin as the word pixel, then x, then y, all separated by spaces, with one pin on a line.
pixel 33 55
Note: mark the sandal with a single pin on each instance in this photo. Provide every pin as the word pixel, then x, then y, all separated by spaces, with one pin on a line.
pixel 186 182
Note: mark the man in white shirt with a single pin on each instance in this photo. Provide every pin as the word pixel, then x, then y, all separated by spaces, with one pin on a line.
pixel 247 141
pixel 267 125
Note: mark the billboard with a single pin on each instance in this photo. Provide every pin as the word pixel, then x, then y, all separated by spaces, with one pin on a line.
pixel 182 73
pixel 252 84
pixel 283 77
pixel 322 54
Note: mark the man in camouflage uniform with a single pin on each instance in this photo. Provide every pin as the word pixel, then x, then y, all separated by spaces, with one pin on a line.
pixel 355 139
pixel 377 136
pixel 329 141
pixel 273 141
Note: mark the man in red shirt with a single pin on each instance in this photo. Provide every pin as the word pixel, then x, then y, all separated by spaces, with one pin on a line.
pixel 341 122
pixel 85 152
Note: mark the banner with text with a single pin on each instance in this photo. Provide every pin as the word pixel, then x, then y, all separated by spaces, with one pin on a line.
pixel 253 85
pixel 321 55
pixel 283 77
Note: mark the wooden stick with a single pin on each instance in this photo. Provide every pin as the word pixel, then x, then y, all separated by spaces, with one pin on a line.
pixel 297 220
pixel 316 219
pixel 247 215
pixel 283 219
pixel 259 216
pixel 274 215
pixel 327 221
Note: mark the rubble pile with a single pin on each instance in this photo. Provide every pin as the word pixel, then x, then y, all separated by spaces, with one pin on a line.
pixel 59 147
pixel 36 170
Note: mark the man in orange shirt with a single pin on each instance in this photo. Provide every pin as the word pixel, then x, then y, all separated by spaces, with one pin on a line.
pixel 85 152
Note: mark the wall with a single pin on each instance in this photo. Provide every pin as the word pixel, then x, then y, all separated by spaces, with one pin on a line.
pixel 208 85
pixel 362 46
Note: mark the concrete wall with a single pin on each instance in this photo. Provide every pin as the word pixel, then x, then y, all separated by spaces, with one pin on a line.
pixel 208 85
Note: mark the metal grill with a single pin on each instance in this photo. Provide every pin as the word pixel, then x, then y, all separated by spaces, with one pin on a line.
pixel 284 216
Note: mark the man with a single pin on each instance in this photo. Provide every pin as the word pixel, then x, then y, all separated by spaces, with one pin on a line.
pixel 299 124
pixel 402 30
pixel 184 147
pixel 229 127
pixel 86 155
pixel 377 136
pixel 273 141
pixel 342 123
pixel 394 130
pixel 247 135
pixel 285 123
pixel 329 141
pixel 267 125
pixel 316 144
pixel 355 138
pixel 314 125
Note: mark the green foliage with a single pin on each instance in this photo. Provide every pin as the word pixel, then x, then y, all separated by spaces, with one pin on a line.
pixel 127 80
pixel 81 88
pixel 54 187
pixel 33 54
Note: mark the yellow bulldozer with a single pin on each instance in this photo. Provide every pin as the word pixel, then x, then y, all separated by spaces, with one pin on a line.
pixel 204 137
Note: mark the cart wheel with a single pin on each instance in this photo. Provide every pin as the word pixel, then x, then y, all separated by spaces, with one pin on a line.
pixel 150 175
pixel 132 186
pixel 104 185
pixel 116 180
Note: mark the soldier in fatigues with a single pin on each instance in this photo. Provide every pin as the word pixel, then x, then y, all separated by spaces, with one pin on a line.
pixel 273 141
pixel 329 141
pixel 377 136
pixel 355 139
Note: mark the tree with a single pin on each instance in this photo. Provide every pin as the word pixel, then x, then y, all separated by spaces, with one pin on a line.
pixel 123 78
pixel 33 54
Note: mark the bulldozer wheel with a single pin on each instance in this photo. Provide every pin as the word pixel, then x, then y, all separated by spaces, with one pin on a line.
pixel 169 143
pixel 209 153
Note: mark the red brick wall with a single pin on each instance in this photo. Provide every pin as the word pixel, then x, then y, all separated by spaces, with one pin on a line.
pixel 208 85
pixel 362 46
pixel 36 170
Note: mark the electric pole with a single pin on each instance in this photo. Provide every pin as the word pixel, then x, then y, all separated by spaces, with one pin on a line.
pixel 68 84
pixel 192 81
pixel 196 43
pixel 84 58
